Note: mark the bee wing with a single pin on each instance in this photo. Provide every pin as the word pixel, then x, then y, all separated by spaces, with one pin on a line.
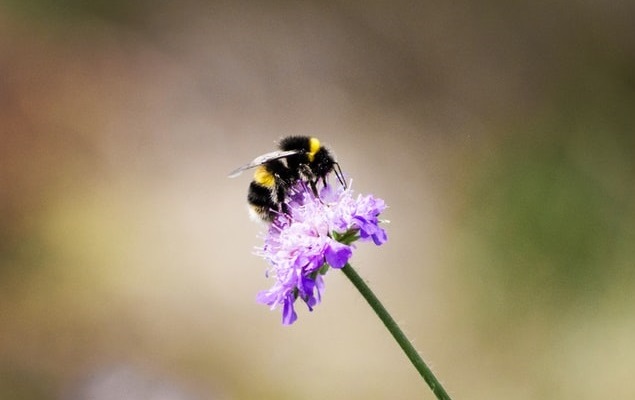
pixel 274 155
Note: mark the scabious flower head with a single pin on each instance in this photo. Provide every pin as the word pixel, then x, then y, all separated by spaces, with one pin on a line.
pixel 315 233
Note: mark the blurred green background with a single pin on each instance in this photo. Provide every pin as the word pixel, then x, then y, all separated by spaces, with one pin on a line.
pixel 501 134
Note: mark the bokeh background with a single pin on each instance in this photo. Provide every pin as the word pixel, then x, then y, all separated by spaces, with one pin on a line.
pixel 500 133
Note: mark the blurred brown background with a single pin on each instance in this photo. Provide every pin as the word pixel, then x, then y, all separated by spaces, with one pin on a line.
pixel 501 134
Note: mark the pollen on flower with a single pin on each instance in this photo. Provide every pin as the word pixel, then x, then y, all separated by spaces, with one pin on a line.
pixel 315 233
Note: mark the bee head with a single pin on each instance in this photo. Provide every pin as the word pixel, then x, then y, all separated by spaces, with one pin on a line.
pixel 322 163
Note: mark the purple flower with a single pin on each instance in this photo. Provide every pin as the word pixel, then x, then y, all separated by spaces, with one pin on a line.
pixel 314 234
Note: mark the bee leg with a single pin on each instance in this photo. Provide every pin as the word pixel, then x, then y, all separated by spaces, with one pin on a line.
pixel 314 188
pixel 280 194
pixel 313 184
pixel 284 208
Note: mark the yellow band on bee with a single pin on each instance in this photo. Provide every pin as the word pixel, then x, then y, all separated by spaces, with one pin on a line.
pixel 314 146
pixel 264 177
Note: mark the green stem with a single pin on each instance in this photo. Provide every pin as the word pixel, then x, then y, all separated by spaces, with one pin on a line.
pixel 396 332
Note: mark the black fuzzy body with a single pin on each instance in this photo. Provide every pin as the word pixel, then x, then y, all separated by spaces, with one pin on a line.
pixel 268 200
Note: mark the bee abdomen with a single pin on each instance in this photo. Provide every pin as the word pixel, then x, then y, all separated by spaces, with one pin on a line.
pixel 260 199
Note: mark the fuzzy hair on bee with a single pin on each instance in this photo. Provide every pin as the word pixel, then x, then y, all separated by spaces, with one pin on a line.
pixel 297 158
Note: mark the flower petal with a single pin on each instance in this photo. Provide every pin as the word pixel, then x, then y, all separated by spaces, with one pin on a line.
pixel 300 241
pixel 337 254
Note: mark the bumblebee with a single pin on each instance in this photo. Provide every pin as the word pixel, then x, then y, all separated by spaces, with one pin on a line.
pixel 297 158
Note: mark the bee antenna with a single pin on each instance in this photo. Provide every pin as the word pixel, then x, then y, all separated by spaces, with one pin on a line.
pixel 339 174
